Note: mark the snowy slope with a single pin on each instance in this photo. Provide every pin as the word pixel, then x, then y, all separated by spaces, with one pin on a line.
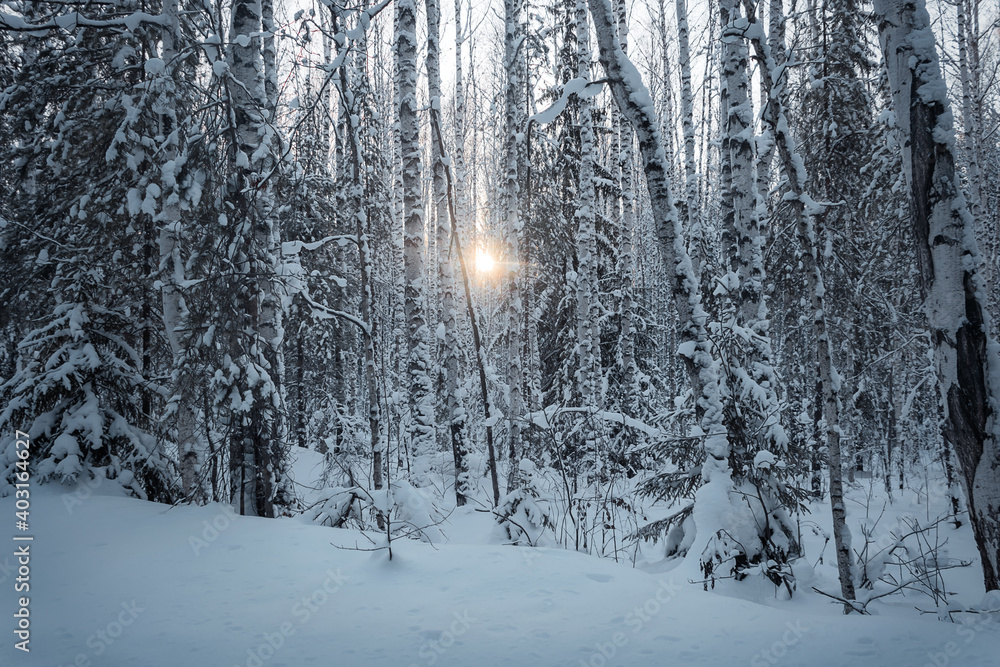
pixel 117 581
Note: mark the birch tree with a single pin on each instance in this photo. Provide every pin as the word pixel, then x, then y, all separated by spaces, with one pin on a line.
pixel 171 264
pixel 513 125
pixel 689 207
pixel 588 297
pixel 965 357
pixel 454 410
pixel 805 209
pixel 355 99
pixel 626 248
pixel 632 97
pixel 760 525
pixel 421 435
pixel 256 452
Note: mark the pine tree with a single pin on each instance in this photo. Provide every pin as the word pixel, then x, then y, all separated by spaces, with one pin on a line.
pixel 79 206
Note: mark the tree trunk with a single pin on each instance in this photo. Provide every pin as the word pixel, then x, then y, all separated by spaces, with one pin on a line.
pixel 634 102
pixel 513 43
pixel 689 202
pixel 171 271
pixel 422 437
pixel 626 250
pixel 965 359
pixel 455 412
pixel 804 209
pixel 588 304
pixel 255 450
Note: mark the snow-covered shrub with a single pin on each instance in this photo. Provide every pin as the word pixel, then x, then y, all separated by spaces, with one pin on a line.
pixel 757 538
pixel 338 505
pixel 343 440
pixel 757 534
pixel 401 510
pixel 906 555
pixel 523 516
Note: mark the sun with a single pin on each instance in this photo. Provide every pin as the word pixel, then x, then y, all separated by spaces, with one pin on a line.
pixel 484 261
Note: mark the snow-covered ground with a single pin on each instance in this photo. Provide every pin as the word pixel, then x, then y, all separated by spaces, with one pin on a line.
pixel 121 582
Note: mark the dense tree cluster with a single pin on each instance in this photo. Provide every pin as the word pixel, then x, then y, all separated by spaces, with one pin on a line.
pixel 578 266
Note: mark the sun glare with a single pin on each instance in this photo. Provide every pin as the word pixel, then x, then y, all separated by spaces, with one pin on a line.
pixel 484 261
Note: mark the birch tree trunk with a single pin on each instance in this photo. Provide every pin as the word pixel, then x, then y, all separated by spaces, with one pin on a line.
pixel 357 208
pixel 626 250
pixel 976 168
pixel 171 268
pixel 324 99
pixel 461 207
pixel 513 40
pixel 689 207
pixel 740 225
pixel 968 60
pixel 747 231
pixel 421 425
pixel 712 499
pixel 667 111
pixel 400 339
pixel 804 209
pixel 446 280
pixel 272 308
pixel 255 454
pixel 965 358
pixel 588 304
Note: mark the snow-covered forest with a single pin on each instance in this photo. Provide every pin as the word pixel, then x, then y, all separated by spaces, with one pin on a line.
pixel 580 332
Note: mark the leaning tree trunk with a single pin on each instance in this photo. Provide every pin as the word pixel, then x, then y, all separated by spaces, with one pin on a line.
pixel 804 209
pixel 633 100
pixel 966 360
pixel 456 414
pixel 473 316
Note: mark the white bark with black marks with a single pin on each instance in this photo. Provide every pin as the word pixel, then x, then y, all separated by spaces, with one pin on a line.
pixel 513 43
pixel 712 500
pixel 446 280
pixel 421 432
pixel 804 208
pixel 965 358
